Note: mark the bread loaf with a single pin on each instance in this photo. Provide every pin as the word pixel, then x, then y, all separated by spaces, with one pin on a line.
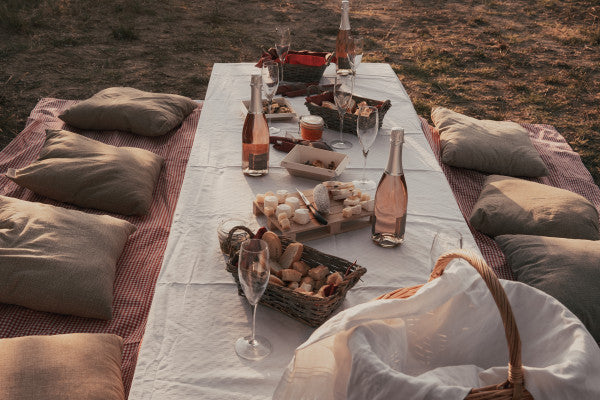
pixel 301 267
pixel 292 253
pixel 318 273
pixel 274 244
pixel 275 280
pixel 291 275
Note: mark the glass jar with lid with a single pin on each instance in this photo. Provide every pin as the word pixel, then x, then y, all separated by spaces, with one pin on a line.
pixel 225 226
pixel 311 127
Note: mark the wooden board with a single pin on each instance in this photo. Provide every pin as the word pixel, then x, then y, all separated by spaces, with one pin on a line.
pixel 313 230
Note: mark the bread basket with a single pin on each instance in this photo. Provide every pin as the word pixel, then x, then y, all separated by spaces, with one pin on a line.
pixel 332 118
pixel 311 310
pixel 513 387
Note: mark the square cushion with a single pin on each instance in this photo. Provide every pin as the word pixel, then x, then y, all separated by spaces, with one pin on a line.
pixel 495 147
pixel 67 367
pixel 130 110
pixel 74 169
pixel 566 269
pixel 515 206
pixel 59 260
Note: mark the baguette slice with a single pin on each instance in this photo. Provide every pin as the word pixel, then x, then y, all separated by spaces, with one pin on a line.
pixel 274 244
pixel 292 253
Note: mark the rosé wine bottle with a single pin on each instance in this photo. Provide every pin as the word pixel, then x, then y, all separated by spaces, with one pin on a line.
pixel 255 134
pixel 342 41
pixel 391 197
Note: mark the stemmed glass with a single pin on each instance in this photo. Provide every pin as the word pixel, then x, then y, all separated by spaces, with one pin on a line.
pixel 355 52
pixel 342 94
pixel 367 125
pixel 282 46
pixel 253 272
pixel 445 239
pixel 270 82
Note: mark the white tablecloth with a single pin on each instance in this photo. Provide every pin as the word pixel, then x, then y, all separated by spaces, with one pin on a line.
pixel 196 313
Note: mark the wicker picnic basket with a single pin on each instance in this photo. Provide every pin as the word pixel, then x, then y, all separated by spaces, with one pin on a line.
pixel 513 387
pixel 332 118
pixel 300 72
pixel 311 310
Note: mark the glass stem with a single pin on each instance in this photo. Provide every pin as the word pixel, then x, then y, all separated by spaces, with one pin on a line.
pixel 342 125
pixel 364 174
pixel 253 341
pixel 270 103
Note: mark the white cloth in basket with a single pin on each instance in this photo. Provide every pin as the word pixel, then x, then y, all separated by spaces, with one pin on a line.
pixel 440 343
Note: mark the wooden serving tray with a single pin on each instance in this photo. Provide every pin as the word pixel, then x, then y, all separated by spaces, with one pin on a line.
pixel 313 230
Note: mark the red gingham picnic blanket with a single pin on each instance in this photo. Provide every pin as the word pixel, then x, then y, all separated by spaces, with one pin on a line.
pixel 566 172
pixel 141 260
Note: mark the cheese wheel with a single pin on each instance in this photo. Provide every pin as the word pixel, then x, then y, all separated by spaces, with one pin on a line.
pixel 301 216
pixel 284 209
pixel 293 202
pixel 281 195
pixel 271 201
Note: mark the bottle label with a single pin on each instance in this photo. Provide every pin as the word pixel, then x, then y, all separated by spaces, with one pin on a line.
pixel 258 162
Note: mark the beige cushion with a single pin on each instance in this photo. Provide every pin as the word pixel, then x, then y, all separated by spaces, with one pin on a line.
pixel 566 269
pixel 496 147
pixel 74 169
pixel 130 110
pixel 515 206
pixel 59 260
pixel 67 367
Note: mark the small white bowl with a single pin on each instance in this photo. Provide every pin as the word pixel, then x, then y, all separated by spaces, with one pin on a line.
pixel 295 161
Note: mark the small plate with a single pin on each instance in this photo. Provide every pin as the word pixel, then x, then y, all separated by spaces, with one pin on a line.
pixel 274 117
pixel 295 160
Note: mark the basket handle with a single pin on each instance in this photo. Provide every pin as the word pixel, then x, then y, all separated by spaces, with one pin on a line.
pixel 515 369
pixel 230 236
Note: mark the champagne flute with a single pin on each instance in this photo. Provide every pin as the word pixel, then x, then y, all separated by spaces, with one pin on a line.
pixel 253 272
pixel 355 53
pixel 367 125
pixel 270 82
pixel 282 46
pixel 342 94
pixel 445 239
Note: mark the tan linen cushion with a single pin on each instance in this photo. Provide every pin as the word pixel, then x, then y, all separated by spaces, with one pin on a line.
pixel 58 260
pixel 495 147
pixel 67 367
pixel 74 169
pixel 515 206
pixel 131 110
pixel 566 269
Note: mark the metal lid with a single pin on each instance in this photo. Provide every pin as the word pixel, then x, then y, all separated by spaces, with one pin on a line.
pixel 312 121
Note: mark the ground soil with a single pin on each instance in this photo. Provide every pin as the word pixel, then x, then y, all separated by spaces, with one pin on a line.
pixel 528 61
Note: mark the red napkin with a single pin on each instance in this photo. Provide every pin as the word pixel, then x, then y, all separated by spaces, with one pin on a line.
pixel 299 57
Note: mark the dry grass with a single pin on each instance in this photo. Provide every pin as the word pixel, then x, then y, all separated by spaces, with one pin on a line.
pixel 528 61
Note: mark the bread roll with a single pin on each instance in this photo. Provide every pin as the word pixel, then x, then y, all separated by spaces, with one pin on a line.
pixel 274 244
pixel 292 253
pixel 293 285
pixel 334 279
pixel 318 273
pixel 275 280
pixel 290 275
pixel 301 267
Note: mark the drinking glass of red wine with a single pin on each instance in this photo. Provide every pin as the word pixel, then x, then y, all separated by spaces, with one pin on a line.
pixel 282 45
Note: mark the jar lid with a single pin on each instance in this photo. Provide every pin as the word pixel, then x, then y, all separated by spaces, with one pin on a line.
pixel 312 121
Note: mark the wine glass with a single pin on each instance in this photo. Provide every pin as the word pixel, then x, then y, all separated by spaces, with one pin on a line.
pixel 355 52
pixel 270 82
pixel 282 45
pixel 342 94
pixel 445 239
pixel 253 272
pixel 367 125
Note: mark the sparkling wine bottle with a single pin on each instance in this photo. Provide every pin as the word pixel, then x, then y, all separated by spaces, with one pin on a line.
pixel 255 134
pixel 389 220
pixel 343 41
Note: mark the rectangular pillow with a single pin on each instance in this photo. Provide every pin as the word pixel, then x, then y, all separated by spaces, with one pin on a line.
pixel 566 269
pixel 62 367
pixel 515 206
pixel 495 147
pixel 130 110
pixel 74 169
pixel 58 260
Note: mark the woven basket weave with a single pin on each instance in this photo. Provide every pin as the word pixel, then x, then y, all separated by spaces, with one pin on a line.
pixel 332 118
pixel 303 73
pixel 513 388
pixel 310 310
